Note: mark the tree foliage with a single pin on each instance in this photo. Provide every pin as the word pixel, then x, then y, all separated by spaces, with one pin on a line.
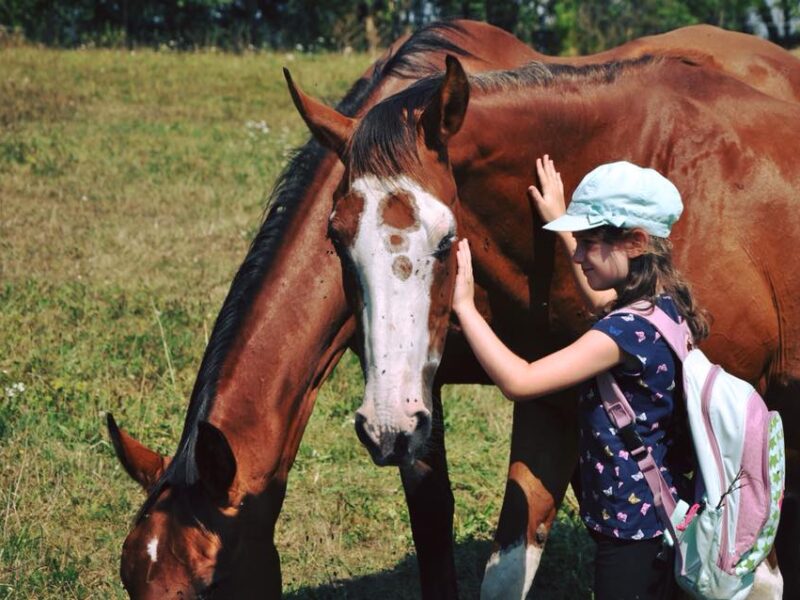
pixel 554 26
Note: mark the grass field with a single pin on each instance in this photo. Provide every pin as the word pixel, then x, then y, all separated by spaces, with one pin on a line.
pixel 130 186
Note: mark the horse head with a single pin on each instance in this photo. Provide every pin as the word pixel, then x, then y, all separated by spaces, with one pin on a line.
pixel 394 222
pixel 188 541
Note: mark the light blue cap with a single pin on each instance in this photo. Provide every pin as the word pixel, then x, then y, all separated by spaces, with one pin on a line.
pixel 623 195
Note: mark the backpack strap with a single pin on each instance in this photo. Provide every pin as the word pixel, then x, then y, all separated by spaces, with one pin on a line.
pixel 624 419
pixel 677 335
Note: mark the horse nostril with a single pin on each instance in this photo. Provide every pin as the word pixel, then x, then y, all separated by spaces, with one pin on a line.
pixel 423 419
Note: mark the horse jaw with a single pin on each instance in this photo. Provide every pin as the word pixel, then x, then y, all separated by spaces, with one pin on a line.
pixel 393 252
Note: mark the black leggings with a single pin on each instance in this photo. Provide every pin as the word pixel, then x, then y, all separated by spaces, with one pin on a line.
pixel 633 570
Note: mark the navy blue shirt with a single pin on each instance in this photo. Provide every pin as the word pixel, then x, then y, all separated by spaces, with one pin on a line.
pixel 615 499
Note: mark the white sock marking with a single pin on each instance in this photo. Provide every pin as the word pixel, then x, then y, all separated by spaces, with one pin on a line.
pixel 509 573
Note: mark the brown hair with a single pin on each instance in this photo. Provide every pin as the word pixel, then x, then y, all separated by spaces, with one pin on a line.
pixel 651 274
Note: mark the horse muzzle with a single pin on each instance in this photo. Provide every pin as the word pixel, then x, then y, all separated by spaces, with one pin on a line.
pixel 396 441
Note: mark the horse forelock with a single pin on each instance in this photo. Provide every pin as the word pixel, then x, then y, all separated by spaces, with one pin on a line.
pixel 384 144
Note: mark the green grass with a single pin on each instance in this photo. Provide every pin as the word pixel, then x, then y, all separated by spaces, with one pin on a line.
pixel 130 186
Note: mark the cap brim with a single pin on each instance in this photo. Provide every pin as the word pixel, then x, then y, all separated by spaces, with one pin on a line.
pixel 571 223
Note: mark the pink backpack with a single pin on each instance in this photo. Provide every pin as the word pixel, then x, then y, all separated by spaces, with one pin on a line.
pixel 740 454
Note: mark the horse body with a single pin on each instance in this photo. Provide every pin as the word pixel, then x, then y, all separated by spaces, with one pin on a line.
pixel 207 525
pixel 713 138
pixel 738 183
pixel 708 133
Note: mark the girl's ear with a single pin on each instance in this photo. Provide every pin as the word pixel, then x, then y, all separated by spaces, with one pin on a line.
pixel 637 242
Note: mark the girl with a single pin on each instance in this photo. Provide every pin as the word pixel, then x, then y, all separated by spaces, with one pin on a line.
pixel 616 230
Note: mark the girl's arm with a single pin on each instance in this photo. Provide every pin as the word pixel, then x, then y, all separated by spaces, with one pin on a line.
pixel 518 379
pixel 550 204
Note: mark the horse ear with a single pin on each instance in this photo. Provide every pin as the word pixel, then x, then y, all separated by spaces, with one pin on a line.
pixel 444 115
pixel 144 465
pixel 331 128
pixel 216 464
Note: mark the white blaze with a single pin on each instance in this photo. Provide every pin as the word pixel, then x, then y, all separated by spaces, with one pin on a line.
pixel 152 549
pixel 395 318
pixel 509 572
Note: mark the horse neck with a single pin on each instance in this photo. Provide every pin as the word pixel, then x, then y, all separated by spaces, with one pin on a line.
pixel 296 329
pixel 494 161
pixel 565 120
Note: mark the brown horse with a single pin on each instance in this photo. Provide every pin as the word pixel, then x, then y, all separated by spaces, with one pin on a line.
pixel 411 187
pixel 209 518
pixel 206 528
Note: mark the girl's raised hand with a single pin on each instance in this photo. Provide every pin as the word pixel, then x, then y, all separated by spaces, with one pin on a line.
pixel 550 201
pixel 464 293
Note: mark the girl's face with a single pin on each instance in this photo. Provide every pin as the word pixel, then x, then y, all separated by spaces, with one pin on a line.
pixel 605 265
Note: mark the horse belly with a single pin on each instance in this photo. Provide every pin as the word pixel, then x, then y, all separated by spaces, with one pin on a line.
pixel 744 325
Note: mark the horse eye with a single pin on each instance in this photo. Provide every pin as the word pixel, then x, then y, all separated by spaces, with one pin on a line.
pixel 334 236
pixel 332 233
pixel 444 246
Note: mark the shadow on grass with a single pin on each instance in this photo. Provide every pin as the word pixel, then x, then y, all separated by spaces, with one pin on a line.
pixel 564 574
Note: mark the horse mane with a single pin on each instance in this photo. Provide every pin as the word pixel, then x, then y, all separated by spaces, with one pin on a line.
pixel 409 61
pixel 384 143
pixel 539 74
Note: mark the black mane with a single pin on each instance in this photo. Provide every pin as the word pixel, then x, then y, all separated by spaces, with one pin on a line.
pixel 410 61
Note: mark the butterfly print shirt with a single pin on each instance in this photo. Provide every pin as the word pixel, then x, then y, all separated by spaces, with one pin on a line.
pixel 615 499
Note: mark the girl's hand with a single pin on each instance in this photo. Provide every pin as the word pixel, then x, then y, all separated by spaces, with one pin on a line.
pixel 550 202
pixel 464 293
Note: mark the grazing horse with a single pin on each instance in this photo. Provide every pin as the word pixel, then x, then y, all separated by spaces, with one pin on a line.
pixel 207 525
pixel 206 528
pixel 412 186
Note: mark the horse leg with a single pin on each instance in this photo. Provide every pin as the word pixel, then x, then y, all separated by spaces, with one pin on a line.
pixel 543 454
pixel 430 506
pixel 785 398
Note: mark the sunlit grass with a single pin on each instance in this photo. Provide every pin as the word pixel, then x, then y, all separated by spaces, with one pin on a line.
pixel 130 186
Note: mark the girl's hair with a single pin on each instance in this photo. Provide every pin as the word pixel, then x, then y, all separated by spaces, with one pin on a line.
pixel 652 273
